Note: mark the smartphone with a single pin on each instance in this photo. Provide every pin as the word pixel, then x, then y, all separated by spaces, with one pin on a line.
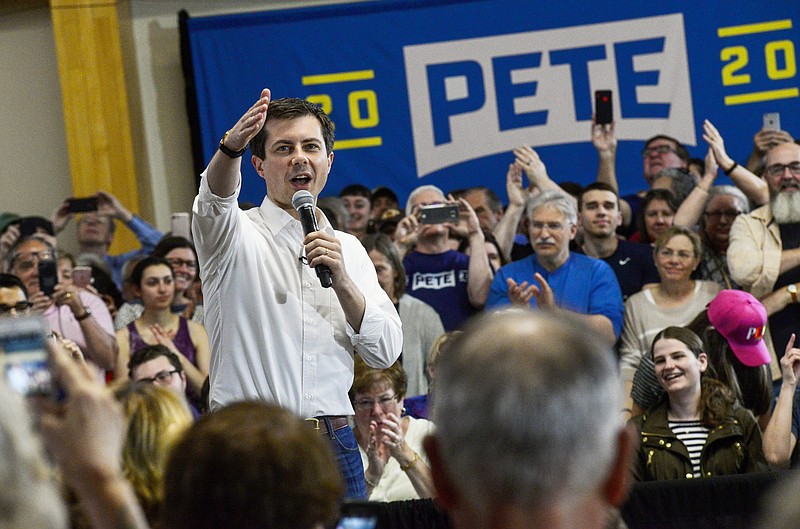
pixel 48 277
pixel 180 225
pixel 603 109
pixel 438 214
pixel 82 276
pixel 23 355
pixel 359 515
pixel 81 205
pixel 772 121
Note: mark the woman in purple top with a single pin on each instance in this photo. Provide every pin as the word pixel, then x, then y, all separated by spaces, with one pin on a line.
pixel 154 281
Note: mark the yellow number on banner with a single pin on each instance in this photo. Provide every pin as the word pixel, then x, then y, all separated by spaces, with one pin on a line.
pixel 324 100
pixel 371 99
pixel 740 60
pixel 771 51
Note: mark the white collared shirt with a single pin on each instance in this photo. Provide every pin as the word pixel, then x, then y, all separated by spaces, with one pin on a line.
pixel 275 333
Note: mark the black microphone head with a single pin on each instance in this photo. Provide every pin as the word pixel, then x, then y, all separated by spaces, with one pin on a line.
pixel 302 199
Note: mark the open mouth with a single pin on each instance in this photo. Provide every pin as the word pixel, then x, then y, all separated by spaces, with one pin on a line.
pixel 672 376
pixel 301 180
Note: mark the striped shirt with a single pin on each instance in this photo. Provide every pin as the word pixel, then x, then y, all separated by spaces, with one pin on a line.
pixel 693 435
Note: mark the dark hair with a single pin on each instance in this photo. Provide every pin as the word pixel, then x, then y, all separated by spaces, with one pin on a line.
pixel 494 202
pixel 572 188
pixel 151 352
pixel 12 281
pixel 292 108
pixel 654 194
pixel 169 243
pixel 683 154
pixel 251 465
pixel 383 244
pixel 716 399
pixel 463 246
pixel 144 264
pixel 365 376
pixel 682 182
pixel 597 186
pixel 357 190
pixel 752 386
pixel 384 192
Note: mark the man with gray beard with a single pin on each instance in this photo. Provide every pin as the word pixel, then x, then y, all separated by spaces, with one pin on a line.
pixel 764 250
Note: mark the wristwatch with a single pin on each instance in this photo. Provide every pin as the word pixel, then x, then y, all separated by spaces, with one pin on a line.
pixel 792 290
pixel 86 313
pixel 228 152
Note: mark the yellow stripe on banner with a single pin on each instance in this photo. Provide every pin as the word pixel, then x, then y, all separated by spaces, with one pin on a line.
pixel 768 95
pixel 759 27
pixel 341 77
pixel 374 141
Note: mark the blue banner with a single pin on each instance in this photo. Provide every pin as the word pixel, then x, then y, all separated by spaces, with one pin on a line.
pixel 439 93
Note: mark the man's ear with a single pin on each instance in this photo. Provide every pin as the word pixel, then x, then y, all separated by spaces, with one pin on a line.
pixel 256 161
pixel 619 480
pixel 446 493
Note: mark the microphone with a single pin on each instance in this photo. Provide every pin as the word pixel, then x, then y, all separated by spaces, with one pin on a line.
pixel 303 202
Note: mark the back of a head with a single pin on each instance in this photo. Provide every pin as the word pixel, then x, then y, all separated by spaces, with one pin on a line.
pixel 527 409
pixel 251 465
pixel 29 498
pixel 157 417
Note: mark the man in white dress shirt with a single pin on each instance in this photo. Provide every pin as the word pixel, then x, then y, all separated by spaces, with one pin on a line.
pixel 276 333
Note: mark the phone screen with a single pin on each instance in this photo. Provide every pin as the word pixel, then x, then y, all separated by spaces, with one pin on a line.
pixel 82 276
pixel 23 342
pixel 359 515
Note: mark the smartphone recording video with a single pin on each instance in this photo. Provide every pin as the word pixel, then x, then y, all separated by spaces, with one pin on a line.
pixel 81 205
pixel 359 515
pixel 603 109
pixel 438 214
pixel 82 276
pixel 23 356
pixel 48 277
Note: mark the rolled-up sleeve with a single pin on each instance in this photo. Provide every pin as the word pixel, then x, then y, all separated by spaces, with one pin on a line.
pixel 754 254
pixel 380 340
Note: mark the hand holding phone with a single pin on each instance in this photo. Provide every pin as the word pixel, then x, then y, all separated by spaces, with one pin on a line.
pixel 180 225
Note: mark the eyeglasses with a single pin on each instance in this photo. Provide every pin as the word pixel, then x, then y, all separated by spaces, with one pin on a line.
pixel 24 262
pixel 162 377
pixel 21 307
pixel 367 404
pixel 666 253
pixel 719 215
pixel 779 169
pixel 659 149
pixel 176 263
pixel 551 226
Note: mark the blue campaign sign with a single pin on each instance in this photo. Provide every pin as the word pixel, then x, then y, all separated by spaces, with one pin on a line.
pixel 426 92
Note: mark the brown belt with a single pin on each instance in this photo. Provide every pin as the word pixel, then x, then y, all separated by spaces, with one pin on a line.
pixel 337 423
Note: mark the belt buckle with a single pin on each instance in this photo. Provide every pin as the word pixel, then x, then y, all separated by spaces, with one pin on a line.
pixel 315 421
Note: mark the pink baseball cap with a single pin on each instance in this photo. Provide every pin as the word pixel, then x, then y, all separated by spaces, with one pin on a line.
pixel 742 320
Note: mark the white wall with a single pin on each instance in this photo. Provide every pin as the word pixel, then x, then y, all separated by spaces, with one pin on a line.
pixel 34 168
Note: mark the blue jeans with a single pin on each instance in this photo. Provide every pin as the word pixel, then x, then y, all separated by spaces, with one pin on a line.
pixel 345 447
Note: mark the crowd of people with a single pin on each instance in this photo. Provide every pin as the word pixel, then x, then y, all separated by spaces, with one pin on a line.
pixel 220 380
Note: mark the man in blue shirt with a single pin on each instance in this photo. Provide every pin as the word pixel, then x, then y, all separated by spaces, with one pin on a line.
pixel 555 277
pixel 96 232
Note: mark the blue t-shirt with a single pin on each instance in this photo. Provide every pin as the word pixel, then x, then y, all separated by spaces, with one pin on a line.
pixel 582 284
pixel 440 280
pixel 632 263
